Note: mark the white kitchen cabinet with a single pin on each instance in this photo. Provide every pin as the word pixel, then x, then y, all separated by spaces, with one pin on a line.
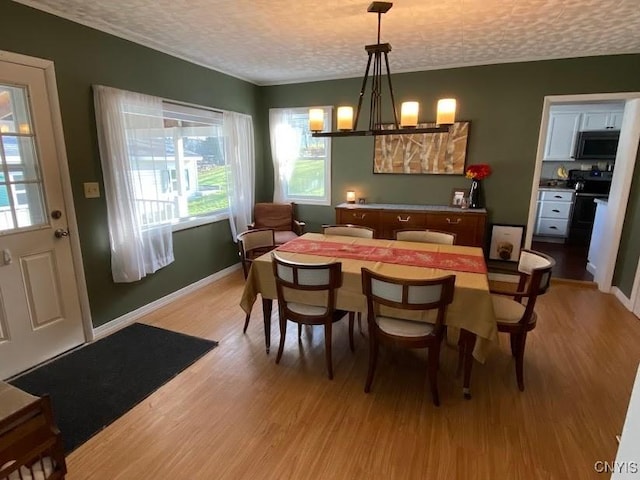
pixel 615 119
pixel 554 213
pixel 565 121
pixel 561 135
pixel 601 120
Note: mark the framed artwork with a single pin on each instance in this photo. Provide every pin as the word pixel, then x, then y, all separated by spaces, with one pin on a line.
pixel 459 198
pixel 423 153
pixel 506 242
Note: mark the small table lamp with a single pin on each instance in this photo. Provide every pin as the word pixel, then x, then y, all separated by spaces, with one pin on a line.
pixel 351 196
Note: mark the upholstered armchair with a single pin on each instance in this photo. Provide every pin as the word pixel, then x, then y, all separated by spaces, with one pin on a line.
pixel 280 217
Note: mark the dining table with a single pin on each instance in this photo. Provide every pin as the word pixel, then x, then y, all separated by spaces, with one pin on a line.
pixel 470 315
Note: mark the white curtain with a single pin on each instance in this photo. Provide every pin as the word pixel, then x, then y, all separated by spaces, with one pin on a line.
pixel 285 148
pixel 130 127
pixel 240 155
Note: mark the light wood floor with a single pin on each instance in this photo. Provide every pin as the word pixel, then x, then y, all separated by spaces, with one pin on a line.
pixel 234 414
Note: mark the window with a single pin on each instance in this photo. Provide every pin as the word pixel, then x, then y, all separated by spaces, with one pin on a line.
pixel 180 173
pixel 168 167
pixel 302 163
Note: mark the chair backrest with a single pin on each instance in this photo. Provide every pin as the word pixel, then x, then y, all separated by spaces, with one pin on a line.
pixel 426 236
pixel 314 277
pixel 535 276
pixel 537 266
pixel 408 294
pixel 253 243
pixel 278 216
pixel 348 230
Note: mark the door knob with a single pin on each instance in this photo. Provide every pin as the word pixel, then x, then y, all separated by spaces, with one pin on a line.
pixel 56 214
pixel 61 232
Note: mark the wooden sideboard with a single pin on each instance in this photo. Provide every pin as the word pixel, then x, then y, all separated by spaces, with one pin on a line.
pixel 385 219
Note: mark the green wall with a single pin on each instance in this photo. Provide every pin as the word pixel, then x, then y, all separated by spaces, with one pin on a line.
pixel 504 104
pixel 84 57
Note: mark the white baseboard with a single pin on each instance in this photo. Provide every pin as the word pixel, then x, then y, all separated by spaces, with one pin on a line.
pixel 503 277
pixel 591 268
pixel 622 298
pixel 129 318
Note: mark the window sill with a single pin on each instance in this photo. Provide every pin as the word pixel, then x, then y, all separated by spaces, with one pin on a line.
pixel 198 221
pixel 306 201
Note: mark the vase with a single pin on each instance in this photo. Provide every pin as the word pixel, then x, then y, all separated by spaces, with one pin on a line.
pixel 474 194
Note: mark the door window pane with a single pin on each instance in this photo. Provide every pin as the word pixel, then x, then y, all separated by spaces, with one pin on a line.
pixel 22 202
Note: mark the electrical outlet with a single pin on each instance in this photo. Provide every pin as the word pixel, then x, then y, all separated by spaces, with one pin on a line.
pixel 91 190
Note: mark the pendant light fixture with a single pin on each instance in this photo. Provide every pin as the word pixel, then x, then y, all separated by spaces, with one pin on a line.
pixel 347 125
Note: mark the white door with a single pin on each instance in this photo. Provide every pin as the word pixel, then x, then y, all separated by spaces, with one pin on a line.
pixel 40 314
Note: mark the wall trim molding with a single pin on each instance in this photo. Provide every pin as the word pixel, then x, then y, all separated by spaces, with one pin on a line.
pixel 503 277
pixel 622 298
pixel 129 318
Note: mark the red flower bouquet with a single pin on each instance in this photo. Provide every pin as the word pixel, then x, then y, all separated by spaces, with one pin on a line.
pixel 478 172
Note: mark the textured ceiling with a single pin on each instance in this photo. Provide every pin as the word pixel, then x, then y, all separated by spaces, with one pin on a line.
pixel 284 41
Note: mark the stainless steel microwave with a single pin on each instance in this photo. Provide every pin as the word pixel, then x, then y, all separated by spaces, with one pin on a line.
pixel 597 145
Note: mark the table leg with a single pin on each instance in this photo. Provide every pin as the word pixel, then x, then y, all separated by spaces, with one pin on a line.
pixel 267 305
pixel 467 343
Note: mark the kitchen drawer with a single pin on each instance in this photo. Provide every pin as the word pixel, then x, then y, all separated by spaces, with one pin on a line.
pixel 554 210
pixel 392 221
pixel 556 195
pixel 363 217
pixel 552 227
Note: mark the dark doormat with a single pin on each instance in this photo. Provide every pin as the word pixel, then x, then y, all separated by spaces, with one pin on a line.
pixel 96 384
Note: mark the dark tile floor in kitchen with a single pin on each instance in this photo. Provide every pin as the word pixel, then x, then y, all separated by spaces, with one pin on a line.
pixel 571 260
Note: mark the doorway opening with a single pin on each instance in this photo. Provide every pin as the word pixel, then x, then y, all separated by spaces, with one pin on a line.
pixel 568 190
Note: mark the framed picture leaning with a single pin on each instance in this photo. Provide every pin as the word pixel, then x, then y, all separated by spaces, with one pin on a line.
pixel 506 242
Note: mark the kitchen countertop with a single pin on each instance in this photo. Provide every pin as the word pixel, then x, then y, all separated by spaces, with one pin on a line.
pixel 555 188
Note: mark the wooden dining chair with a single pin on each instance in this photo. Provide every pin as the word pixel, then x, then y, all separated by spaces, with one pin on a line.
pixel 317 280
pixel 432 295
pixel 280 217
pixel 252 244
pixel 516 316
pixel 348 230
pixel 426 236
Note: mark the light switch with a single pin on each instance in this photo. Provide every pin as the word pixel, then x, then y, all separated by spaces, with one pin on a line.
pixel 91 190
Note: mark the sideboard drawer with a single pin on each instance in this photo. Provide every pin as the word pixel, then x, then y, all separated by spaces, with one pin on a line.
pixel 469 229
pixel 363 217
pixel 392 221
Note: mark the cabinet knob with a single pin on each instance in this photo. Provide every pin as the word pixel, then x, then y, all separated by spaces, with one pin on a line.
pixel 557 196
pixel 400 219
pixel 555 210
pixel 451 222
pixel 553 227
pixel 359 216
